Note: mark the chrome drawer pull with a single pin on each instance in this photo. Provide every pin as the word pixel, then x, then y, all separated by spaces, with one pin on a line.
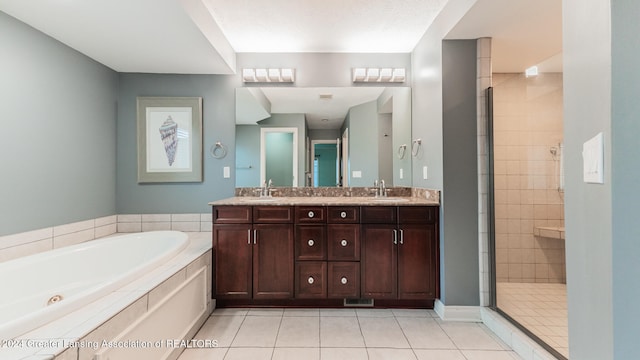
pixel 310 280
pixel 343 214
pixel 249 236
pixel 343 242
pixel 311 242
pixel 395 237
pixel 311 214
pixel 343 280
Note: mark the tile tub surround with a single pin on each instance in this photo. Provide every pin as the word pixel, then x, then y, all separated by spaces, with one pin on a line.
pixel 337 334
pixel 107 317
pixel 32 242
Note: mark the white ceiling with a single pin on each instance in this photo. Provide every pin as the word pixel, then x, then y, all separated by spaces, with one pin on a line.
pixel 308 101
pixel 202 36
pixel 524 33
pixel 324 25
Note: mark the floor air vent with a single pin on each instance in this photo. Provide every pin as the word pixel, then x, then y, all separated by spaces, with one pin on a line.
pixel 358 302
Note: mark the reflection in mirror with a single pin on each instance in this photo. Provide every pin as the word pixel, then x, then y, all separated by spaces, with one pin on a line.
pixel 367 127
pixel 325 169
pixel 279 160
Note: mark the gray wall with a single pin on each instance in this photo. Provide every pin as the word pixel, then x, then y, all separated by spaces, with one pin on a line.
pixel 58 113
pixel 459 251
pixel 427 124
pixel 247 155
pixel 625 170
pixel 601 219
pixel 218 108
pixel 588 223
pixel 363 147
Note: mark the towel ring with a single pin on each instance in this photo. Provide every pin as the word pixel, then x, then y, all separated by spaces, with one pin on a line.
pixel 218 150
pixel 402 149
pixel 415 150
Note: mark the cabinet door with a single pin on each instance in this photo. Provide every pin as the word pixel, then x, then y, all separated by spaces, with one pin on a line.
pixel 232 247
pixel 343 280
pixel 378 261
pixel 343 242
pixel 311 242
pixel 311 280
pixel 416 262
pixel 273 261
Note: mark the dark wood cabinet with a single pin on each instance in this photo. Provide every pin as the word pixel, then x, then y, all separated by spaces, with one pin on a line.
pixel 233 266
pixel 311 282
pixel 318 255
pixel 343 280
pixel 399 260
pixel 253 260
pixel 273 261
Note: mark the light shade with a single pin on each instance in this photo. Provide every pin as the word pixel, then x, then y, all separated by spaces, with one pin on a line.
pixel 378 74
pixel 268 75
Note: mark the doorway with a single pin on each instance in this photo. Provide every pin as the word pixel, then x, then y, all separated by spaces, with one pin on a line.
pixel 279 156
pixel 325 170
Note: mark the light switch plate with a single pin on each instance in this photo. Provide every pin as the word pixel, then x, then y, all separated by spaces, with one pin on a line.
pixel 226 172
pixel 593 160
pixel 401 174
pixel 425 174
pixel 357 174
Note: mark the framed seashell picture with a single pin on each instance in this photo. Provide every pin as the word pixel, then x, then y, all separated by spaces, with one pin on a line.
pixel 169 139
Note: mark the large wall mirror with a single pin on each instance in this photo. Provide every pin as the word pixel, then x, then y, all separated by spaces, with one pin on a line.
pixel 340 136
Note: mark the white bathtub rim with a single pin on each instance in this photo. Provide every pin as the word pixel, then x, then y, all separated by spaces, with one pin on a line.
pixel 21 326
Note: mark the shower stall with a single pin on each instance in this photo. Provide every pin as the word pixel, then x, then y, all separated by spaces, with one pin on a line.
pixel 528 205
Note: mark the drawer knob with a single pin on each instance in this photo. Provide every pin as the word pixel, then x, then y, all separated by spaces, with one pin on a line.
pixel 311 242
pixel 343 280
pixel 343 242
pixel 310 280
pixel 311 214
pixel 343 214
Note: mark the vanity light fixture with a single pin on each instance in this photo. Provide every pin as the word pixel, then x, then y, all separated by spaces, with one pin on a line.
pixel 285 75
pixel 378 75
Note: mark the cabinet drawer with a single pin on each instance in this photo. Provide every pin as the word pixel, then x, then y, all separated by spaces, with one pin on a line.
pixel 311 282
pixel 379 214
pixel 343 242
pixel 310 214
pixel 310 242
pixel 272 214
pixel 231 214
pixel 343 214
pixel 417 214
pixel 343 280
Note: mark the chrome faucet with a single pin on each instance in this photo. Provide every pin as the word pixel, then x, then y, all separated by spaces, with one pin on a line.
pixel 380 188
pixel 265 189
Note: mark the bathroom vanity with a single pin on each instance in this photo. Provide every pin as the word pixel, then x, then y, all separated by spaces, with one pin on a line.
pixel 325 251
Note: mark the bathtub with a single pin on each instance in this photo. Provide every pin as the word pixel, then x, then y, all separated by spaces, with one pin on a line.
pixel 50 295
pixel 40 288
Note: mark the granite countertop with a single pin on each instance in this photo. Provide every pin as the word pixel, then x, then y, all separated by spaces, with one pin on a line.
pixel 336 196
pixel 326 201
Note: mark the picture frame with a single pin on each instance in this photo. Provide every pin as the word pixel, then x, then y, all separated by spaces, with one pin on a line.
pixel 169 139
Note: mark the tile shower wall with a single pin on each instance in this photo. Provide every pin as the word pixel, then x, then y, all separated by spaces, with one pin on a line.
pixel 527 129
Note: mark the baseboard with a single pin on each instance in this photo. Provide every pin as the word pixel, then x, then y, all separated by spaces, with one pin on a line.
pixel 457 313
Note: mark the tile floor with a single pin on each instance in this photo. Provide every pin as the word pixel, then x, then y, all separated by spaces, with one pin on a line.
pixel 541 308
pixel 353 334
